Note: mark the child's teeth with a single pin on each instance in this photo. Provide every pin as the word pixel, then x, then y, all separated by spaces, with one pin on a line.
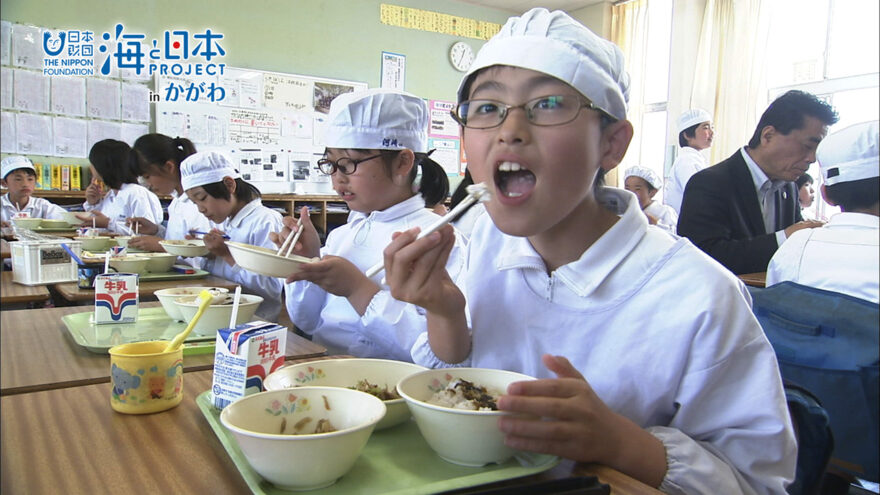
pixel 509 167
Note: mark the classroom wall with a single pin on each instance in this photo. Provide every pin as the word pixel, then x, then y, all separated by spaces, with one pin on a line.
pixel 341 39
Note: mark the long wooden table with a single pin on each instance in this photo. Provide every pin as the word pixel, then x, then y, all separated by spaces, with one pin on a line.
pixel 38 353
pixel 758 279
pixel 70 441
pixel 72 293
pixel 11 292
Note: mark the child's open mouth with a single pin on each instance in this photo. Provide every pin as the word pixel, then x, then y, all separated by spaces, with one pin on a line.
pixel 513 180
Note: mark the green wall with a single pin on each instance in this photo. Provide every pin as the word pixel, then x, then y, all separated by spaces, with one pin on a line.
pixel 340 39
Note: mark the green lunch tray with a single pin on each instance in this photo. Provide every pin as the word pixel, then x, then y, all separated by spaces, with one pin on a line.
pixel 152 324
pixel 395 461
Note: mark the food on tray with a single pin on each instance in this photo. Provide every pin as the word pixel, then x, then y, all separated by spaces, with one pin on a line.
pixel 381 392
pixel 462 394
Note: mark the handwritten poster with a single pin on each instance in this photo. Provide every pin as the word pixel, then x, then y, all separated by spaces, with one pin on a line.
pixel 287 92
pixel 393 71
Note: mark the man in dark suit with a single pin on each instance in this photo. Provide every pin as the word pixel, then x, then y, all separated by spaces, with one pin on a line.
pixel 742 209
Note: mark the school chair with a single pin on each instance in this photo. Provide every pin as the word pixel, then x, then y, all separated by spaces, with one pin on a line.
pixel 829 343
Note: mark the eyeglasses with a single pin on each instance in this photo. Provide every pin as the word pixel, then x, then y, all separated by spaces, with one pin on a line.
pixel 345 165
pixel 542 111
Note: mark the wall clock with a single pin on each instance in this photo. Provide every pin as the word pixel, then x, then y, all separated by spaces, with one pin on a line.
pixel 461 55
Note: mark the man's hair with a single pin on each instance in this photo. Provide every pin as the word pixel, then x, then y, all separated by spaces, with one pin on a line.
pixel 787 112
pixel 804 179
pixel 690 132
pixel 855 195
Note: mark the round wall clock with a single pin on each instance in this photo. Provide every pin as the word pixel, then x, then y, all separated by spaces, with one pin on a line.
pixel 461 55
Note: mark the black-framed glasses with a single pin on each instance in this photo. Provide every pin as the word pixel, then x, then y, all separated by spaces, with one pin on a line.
pixel 542 111
pixel 344 165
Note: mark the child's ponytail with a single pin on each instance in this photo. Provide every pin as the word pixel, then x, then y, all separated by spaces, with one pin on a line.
pixel 434 184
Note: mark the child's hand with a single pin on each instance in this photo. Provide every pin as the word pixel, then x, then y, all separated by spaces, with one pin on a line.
pixel 215 243
pixel 571 421
pixel 415 270
pixel 142 225
pixel 94 192
pixel 146 243
pixel 308 244
pixel 340 277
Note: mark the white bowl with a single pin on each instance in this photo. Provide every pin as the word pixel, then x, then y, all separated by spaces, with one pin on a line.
pixel 159 262
pixel 122 240
pixel 465 437
pixel 49 223
pixel 129 264
pixel 71 219
pixel 187 248
pixel 264 261
pixel 167 296
pixel 216 316
pixel 94 243
pixel 27 222
pixel 347 373
pixel 309 461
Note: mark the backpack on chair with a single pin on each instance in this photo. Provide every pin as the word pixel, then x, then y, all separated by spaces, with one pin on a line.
pixel 814 438
pixel 829 343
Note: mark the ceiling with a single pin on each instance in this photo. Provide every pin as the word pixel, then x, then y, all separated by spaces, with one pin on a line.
pixel 520 6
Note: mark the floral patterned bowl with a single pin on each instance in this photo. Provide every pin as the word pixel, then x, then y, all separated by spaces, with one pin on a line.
pixel 276 433
pixel 383 373
pixel 460 436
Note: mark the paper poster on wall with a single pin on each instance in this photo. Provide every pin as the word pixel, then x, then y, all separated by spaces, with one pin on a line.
pixel 6 87
pixel 326 92
pixel 393 71
pixel 27 46
pixel 253 127
pixel 33 133
pixel 287 92
pixel 296 125
pixel 30 90
pixel 131 131
pixel 7 132
pixel 5 41
pixel 442 123
pixel 99 130
pixel 102 97
pixel 135 102
pixel 243 88
pixel 69 137
pixel 446 154
pixel 173 123
pixel 68 96
pixel 261 165
pixel 215 130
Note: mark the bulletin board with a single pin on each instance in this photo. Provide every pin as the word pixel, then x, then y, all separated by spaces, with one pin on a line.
pixel 64 116
pixel 268 123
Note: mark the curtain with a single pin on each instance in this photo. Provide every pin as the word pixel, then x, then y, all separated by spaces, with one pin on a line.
pixel 629 31
pixel 729 76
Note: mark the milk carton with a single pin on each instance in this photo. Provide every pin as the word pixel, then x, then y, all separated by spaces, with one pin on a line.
pixel 116 298
pixel 244 356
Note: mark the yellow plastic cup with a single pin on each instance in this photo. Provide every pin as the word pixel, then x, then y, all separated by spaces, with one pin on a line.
pixel 144 379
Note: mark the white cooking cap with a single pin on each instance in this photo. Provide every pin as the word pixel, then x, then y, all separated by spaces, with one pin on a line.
pixel 850 154
pixel 377 119
pixel 645 173
pixel 205 167
pixel 13 163
pixel 691 117
pixel 557 45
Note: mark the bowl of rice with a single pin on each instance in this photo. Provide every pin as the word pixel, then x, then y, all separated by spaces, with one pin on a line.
pixel 303 438
pixel 456 412
pixel 378 377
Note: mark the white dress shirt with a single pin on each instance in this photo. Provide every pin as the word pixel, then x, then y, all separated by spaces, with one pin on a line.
pixel 767 190
pixel 688 162
pixel 35 208
pixel 130 200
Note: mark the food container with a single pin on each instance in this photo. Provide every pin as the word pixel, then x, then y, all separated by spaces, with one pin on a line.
pixel 43 262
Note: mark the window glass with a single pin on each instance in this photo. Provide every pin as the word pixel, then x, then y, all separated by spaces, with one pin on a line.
pixel 853 44
pixel 797 41
pixel 657 54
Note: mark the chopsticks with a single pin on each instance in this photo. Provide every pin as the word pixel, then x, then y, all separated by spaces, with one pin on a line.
pixel 290 242
pixel 476 193
pixel 194 231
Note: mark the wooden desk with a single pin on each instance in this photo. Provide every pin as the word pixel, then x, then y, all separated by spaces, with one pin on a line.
pixel 72 293
pixel 758 279
pixel 5 249
pixel 38 353
pixel 11 292
pixel 71 441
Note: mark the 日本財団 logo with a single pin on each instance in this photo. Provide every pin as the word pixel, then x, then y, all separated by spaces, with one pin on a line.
pixel 179 53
